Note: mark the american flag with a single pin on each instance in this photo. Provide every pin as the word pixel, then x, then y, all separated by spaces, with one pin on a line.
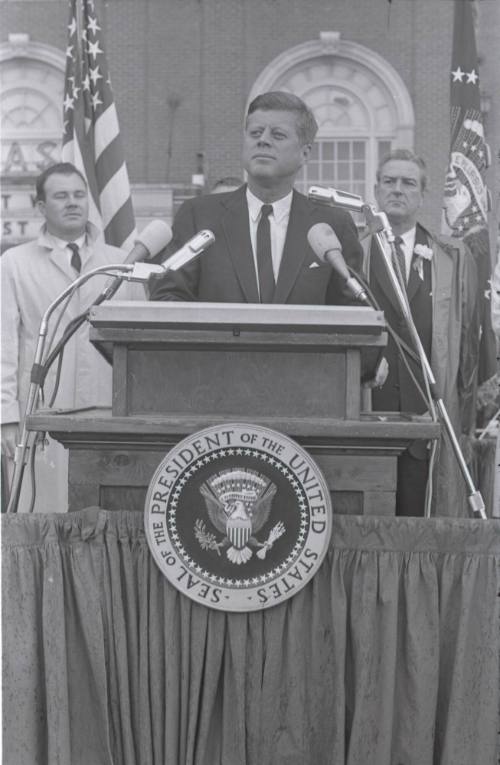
pixel 466 197
pixel 91 139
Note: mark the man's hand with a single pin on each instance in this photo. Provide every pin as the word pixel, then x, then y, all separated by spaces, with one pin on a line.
pixel 10 438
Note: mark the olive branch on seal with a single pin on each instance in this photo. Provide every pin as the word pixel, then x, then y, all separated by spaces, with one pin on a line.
pixel 207 540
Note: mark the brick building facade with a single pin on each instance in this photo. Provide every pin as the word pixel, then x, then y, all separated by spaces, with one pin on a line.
pixel 375 72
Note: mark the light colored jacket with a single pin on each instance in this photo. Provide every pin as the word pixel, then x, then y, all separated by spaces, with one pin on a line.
pixel 33 275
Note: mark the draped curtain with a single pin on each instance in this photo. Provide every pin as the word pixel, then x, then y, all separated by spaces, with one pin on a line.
pixel 389 656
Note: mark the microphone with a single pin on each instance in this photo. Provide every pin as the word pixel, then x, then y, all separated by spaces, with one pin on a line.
pixel 150 242
pixel 326 246
pixel 335 198
pixel 194 247
pixel 190 250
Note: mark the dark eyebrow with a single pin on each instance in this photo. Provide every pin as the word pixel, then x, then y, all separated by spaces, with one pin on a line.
pixel 402 177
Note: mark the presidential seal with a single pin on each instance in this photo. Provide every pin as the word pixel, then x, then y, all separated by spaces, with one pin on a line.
pixel 238 517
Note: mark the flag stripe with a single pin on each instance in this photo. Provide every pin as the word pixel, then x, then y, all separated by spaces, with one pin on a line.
pixel 106 130
pixel 119 223
pixel 110 163
pixel 114 195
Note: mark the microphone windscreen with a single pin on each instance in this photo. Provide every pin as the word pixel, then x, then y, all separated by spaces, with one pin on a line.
pixel 322 238
pixel 155 237
pixel 326 246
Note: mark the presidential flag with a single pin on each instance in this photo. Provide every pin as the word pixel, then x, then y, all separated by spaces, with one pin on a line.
pixel 91 139
pixel 466 198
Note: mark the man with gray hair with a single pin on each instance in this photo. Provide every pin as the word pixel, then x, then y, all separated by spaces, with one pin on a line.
pixel 441 289
pixel 261 253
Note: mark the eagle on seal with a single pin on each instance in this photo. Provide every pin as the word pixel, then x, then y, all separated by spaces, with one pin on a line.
pixel 238 504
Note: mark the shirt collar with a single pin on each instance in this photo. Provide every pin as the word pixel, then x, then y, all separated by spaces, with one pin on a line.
pixel 51 242
pixel 409 238
pixel 281 208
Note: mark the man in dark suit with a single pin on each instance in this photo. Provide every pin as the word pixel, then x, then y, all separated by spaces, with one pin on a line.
pixel 440 287
pixel 261 253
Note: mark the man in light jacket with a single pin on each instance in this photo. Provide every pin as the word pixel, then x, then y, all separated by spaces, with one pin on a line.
pixel 33 275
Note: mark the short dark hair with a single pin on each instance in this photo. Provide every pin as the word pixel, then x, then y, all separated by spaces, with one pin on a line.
pixel 408 156
pixel 61 168
pixel 278 100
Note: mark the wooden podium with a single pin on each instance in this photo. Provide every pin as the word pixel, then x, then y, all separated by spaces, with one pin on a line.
pixel 180 367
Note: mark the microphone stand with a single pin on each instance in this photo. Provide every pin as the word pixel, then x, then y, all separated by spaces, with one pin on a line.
pixel 382 232
pixel 131 271
pixel 39 372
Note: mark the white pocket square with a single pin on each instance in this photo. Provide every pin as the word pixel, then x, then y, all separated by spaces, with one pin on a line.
pixel 314 265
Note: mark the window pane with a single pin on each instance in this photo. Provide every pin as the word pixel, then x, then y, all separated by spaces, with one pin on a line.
pixel 384 148
pixel 358 149
pixel 328 171
pixel 328 150
pixel 358 171
pixel 343 149
pixel 338 163
pixel 343 171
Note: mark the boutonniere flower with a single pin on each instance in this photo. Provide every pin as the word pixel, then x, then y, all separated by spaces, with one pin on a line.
pixel 422 252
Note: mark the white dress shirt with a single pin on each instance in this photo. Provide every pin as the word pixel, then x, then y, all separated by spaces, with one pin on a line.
pixel 408 245
pixel 62 244
pixel 278 221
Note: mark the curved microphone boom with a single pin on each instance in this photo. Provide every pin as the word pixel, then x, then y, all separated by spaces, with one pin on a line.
pixel 326 246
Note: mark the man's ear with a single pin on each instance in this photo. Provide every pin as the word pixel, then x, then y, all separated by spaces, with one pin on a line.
pixel 40 206
pixel 306 151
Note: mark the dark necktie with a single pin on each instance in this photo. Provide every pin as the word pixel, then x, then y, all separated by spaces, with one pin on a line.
pixel 400 257
pixel 264 257
pixel 76 260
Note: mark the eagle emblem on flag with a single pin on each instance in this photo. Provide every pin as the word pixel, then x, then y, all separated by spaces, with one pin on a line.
pixel 238 502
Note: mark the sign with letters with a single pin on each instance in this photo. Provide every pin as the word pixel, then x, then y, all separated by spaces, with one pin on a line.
pixel 238 517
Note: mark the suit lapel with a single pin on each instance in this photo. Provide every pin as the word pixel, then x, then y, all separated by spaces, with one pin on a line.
pixel 61 259
pixel 414 281
pixel 295 249
pixel 236 230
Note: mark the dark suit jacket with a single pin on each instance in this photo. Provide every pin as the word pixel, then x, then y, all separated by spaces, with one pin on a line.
pixel 225 272
pixel 399 393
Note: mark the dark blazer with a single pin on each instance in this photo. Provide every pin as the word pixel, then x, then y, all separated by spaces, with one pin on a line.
pixel 225 272
pixel 399 393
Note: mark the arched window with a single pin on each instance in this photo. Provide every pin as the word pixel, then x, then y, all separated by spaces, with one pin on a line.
pixel 32 87
pixel 362 107
pixel 31 96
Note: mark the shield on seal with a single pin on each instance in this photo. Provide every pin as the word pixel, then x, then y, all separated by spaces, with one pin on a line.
pixel 239 531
